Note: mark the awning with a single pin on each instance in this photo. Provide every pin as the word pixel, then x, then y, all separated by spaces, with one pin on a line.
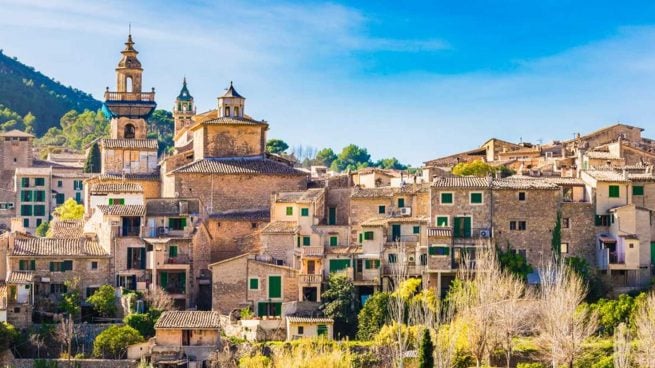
pixel 607 239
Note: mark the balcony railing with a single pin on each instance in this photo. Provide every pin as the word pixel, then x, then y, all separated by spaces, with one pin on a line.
pixel 179 259
pixel 311 251
pixel 166 232
pixel 130 96
pixel 402 238
pixel 310 279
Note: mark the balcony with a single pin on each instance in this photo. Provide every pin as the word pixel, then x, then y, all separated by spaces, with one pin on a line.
pixel 130 96
pixel 391 239
pixel 166 232
pixel 412 270
pixel 310 252
pixel 310 279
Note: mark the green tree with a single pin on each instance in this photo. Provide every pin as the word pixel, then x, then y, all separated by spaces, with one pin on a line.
pixel 325 157
pixel 104 301
pixel 612 312
pixel 42 229
pixel 425 350
pixel 338 302
pixel 556 240
pixel 69 210
pixel 8 335
pixel 93 162
pixel 28 121
pixel 276 146
pixel 390 163
pixel 474 168
pixel 112 343
pixel 372 316
pixel 513 262
pixel 161 126
pixel 70 301
pixel 352 157
pixel 141 322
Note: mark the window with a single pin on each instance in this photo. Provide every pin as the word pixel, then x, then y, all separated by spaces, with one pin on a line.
pixel 382 209
pixel 321 330
pixel 564 248
pixel 517 225
pixel 60 198
pixel 603 220
pixel 393 258
pixel 39 196
pixel 60 184
pixel 446 198
pixel 304 212
pixel 94 265
pixel 401 202
pixel 236 111
pixel 306 241
pixel 129 132
pixel 62 266
pixel 361 237
pixel 38 222
pixel 566 223
pixel 77 184
pixel 416 229
pixel 289 211
pixel 39 182
pixel 177 223
pixel 27 265
pixel 227 110
pixel 368 235
pixel 614 191
pixel 25 182
pixel 301 330
pixel 253 283
pixel 438 250
pixel 423 259
pixel 25 210
pixel 334 241
pixel 521 196
pixel 6 205
pixel 90 291
pixel 57 289
pixel 638 190
pixel 136 258
pixel 113 201
pixel 372 264
pixel 172 251
pixel 442 221
pixel 523 225
pixel 39 210
pixel 275 286
pixel 476 197
pixel 26 195
pixel 26 223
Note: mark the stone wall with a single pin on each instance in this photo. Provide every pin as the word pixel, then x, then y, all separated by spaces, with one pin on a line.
pixel 15 152
pixel 114 161
pixel 231 237
pixel 81 363
pixel 118 127
pixel 581 234
pixel 228 140
pixel 461 207
pixel 339 198
pixel 235 192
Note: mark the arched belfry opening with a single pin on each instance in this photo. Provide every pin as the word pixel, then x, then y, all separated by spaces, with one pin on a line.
pixel 130 131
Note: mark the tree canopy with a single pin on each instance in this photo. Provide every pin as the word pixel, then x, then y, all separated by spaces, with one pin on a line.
pixel 352 157
pixel 112 343
pixel 276 146
pixel 161 126
pixel 93 162
pixel 69 210
pixel 103 301
pixel 76 130
pixel 338 302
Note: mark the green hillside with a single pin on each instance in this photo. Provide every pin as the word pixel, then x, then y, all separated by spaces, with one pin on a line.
pixel 23 91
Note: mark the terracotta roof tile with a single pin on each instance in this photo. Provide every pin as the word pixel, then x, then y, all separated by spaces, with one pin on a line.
pixel 599 155
pixel 57 247
pixel 308 196
pixel 294 319
pixel 602 175
pixel 517 182
pixel 460 182
pixel 148 177
pixel 123 210
pixel 20 277
pixel 189 320
pixel 256 214
pixel 233 120
pixel 104 188
pixel 281 227
pixel 240 165
pixel 66 229
pixel 149 144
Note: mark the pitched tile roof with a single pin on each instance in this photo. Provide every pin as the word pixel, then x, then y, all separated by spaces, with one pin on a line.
pixel 518 182
pixel 16 133
pixel 123 210
pixel 599 155
pixel 294 319
pixel 172 206
pixel 148 144
pixel 256 214
pixel 57 247
pixel 308 196
pixel 20 277
pixel 239 165
pixel 383 192
pixel 149 177
pixel 460 182
pixel 104 188
pixel 602 175
pixel 66 229
pixel 189 320
pixel 234 120
pixel 281 227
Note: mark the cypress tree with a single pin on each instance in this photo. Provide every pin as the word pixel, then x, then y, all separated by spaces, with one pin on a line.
pixel 556 241
pixel 425 358
pixel 92 164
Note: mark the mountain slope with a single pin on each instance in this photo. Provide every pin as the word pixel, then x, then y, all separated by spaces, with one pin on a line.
pixel 24 90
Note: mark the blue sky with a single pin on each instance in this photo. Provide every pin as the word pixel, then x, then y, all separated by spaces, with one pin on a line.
pixel 414 80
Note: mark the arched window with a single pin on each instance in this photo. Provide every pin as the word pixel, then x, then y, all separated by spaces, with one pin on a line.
pixel 128 84
pixel 130 131
pixel 236 111
pixel 227 110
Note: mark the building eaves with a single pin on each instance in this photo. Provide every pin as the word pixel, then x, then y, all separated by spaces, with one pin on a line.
pixel 189 320
pixel 123 210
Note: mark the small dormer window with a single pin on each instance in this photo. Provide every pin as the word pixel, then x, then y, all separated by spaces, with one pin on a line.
pixel 236 111
pixel 227 111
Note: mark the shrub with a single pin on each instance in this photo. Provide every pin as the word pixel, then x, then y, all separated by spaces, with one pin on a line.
pixel 104 301
pixel 372 316
pixel 257 361
pixel 142 323
pixel 8 335
pixel 530 365
pixel 112 343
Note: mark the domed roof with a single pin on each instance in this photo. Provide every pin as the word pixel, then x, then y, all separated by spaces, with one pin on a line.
pixel 129 60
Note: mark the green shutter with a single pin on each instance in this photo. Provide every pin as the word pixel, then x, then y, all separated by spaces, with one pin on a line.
pixel 339 264
pixel 321 330
pixel 25 210
pixel 254 284
pixel 172 251
pixel 262 309
pixel 446 198
pixel 476 198
pixel 129 258
pixel 416 229
pixel 163 279
pixel 39 182
pixel 614 191
pixel 183 222
pixel 52 266
pixel 401 202
pixel 275 286
pixel 442 220
pixel 304 212
pixel 334 241
pixel 289 211
pixel 368 235
pixel 183 282
pixel 382 209
pixel 332 216
pixel 25 182
pixel 22 265
pixel 39 210
pixel 306 241
pixel 33 264
pixel 60 198
pixel 638 190
pixel 67 266
pixel 360 237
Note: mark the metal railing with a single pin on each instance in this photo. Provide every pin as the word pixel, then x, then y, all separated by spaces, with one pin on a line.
pixel 403 238
pixel 130 96
pixel 179 259
pixel 311 251
pixel 310 279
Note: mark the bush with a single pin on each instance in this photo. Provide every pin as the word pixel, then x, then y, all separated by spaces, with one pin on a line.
pixel 257 361
pixel 112 343
pixel 104 301
pixel 141 322
pixel 372 316
pixel 8 335
pixel 530 365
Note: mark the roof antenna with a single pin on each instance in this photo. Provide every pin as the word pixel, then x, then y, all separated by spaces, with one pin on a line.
pixel 129 28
